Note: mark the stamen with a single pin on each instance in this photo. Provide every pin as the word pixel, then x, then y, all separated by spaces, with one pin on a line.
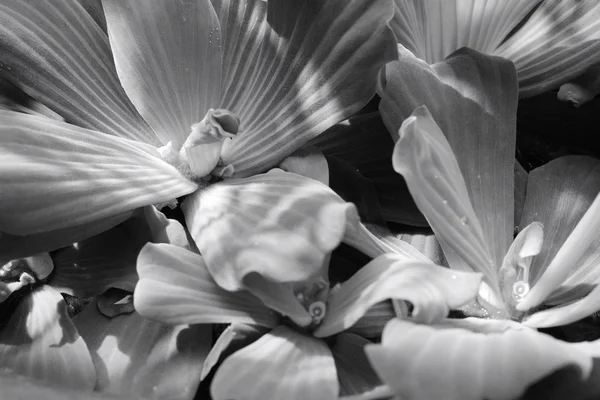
pixel 520 289
pixel 317 311
pixel 17 274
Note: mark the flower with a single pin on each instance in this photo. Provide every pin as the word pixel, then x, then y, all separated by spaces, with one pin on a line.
pixel 288 358
pixel 550 42
pixel 39 339
pixel 463 181
pixel 221 82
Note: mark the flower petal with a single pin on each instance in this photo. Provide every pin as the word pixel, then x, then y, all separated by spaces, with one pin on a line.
pixel 432 290
pixel 434 29
pixel 559 42
pixel 13 247
pixel 583 88
pixel 279 225
pixel 71 176
pixel 135 356
pixel 89 267
pixel 425 159
pixel 561 195
pixel 473 99
pixel 169 60
pixel 469 359
pixel 335 49
pixel 176 288
pixel 521 177
pixel 309 162
pixel 563 315
pixel 235 337
pixel 40 341
pixel 354 371
pixel 283 364
pixel 371 324
pixel 61 57
pixel 358 151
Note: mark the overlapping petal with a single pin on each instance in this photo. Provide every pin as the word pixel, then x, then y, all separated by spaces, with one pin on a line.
pixel 469 359
pixel 432 30
pixel 175 287
pixel 135 356
pixel 282 364
pixel 40 341
pixel 279 225
pixel 432 290
pixel 294 70
pixel 473 99
pixel 559 42
pixel 425 159
pixel 168 56
pixel 61 57
pixel 558 195
pixel 55 175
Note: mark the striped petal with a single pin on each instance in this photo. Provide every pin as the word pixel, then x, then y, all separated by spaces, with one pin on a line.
pixel 278 225
pixel 425 159
pixel 473 99
pixel 566 314
pixel 432 290
pixel 469 359
pixel 354 371
pixel 168 56
pixel 61 57
pixel 55 175
pixel 135 356
pixel 13 247
pixel 283 364
pixel 559 42
pixel 521 177
pixel 176 288
pixel 39 341
pixel 290 75
pixel 563 196
pixel 432 30
pixel 89 267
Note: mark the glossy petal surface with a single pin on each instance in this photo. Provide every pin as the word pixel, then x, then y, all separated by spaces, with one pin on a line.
pixel 61 57
pixel 283 364
pixel 176 288
pixel 473 100
pixel 469 359
pixel 55 175
pixel 135 356
pixel 40 341
pixel 279 225
pixel 294 70
pixel 432 290
pixel 169 60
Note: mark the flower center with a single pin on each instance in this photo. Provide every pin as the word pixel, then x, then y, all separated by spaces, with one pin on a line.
pixel 201 152
pixel 514 282
pixel 20 273
pixel 313 296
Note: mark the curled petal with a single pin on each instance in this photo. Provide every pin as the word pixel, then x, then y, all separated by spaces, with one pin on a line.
pixel 290 75
pixel 40 341
pixel 135 356
pixel 61 57
pixel 469 359
pixel 425 159
pixel 558 195
pixel 282 364
pixel 559 42
pixel 432 290
pixel 309 162
pixel 473 100
pixel 72 176
pixel 279 225
pixel 168 56
pixel 176 288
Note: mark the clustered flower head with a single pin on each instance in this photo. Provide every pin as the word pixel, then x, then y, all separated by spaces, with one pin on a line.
pixel 217 199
